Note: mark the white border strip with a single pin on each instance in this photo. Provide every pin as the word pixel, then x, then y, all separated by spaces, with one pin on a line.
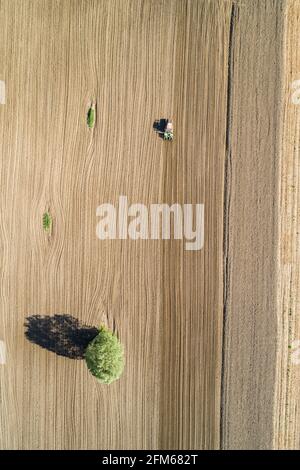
pixel 2 92
pixel 2 352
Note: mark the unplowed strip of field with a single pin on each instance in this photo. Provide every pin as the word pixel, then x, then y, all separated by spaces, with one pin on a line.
pixel 287 419
pixel 261 348
pixel 251 250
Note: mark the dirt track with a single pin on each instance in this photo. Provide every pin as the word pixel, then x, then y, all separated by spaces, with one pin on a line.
pixel 188 383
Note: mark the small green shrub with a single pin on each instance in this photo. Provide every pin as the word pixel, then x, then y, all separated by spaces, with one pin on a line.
pixel 91 117
pixel 104 357
pixel 47 221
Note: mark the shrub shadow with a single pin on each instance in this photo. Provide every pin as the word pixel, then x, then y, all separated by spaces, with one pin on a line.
pixel 61 334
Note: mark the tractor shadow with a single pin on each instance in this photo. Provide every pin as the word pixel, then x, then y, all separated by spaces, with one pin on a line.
pixel 61 334
pixel 159 126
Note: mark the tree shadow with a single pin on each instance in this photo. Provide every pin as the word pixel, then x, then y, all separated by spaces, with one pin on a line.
pixel 61 334
pixel 159 126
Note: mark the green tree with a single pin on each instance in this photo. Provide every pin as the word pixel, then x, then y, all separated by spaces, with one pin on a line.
pixel 104 356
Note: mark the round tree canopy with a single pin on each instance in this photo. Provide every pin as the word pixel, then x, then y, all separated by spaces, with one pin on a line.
pixel 104 356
